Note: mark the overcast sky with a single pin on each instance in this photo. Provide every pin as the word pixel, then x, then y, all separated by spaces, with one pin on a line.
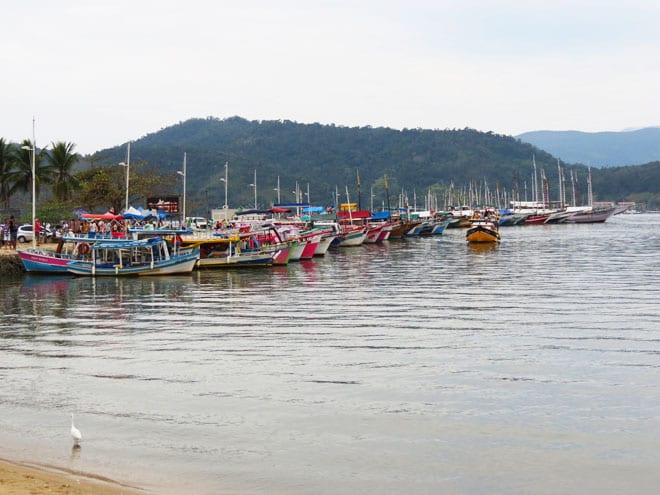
pixel 101 73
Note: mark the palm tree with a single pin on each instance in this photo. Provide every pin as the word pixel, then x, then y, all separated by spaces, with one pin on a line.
pixel 7 153
pixel 62 159
pixel 21 174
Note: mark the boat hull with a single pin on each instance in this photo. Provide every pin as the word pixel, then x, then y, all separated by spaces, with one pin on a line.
pixel 244 259
pixel 324 244
pixel 43 262
pixel 481 234
pixel 595 216
pixel 310 249
pixel 353 239
pixel 174 266
pixel 297 250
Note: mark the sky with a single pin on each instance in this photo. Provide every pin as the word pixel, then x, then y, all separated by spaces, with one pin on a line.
pixel 102 73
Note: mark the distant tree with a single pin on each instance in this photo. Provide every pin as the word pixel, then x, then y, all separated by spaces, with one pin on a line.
pixel 21 174
pixel 62 160
pixel 104 187
pixel 7 157
pixel 100 187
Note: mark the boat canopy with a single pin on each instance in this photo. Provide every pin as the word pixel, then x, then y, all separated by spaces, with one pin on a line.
pixel 355 215
pixel 314 209
pixel 127 244
pixel 101 216
pixel 291 205
pixel 141 214
pixel 380 215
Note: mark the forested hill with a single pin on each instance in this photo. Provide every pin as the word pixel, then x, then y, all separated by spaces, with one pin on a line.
pixel 329 158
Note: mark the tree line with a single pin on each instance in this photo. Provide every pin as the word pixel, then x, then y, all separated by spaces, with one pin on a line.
pixel 321 163
pixel 61 186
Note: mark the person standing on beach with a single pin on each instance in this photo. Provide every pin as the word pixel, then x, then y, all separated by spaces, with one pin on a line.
pixel 37 230
pixel 13 231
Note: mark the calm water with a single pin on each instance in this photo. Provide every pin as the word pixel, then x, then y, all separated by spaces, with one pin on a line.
pixel 423 366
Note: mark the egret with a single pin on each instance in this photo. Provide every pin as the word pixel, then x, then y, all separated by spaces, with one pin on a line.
pixel 75 434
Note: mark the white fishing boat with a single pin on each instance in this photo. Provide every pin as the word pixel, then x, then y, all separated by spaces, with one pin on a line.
pixel 134 257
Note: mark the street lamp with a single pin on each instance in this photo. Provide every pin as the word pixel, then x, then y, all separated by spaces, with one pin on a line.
pixel 32 150
pixel 254 184
pixel 127 164
pixel 226 181
pixel 183 173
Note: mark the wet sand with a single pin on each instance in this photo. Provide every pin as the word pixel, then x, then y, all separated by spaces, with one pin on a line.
pixel 33 479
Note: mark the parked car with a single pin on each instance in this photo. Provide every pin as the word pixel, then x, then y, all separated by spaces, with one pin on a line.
pixel 24 233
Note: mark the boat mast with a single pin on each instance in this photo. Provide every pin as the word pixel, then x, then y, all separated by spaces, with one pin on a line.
pixel 387 195
pixel 348 202
pixel 309 201
pixel 561 191
pixel 358 188
pixel 573 189
pixel 535 187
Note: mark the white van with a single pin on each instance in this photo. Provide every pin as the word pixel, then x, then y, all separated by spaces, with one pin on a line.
pixel 197 222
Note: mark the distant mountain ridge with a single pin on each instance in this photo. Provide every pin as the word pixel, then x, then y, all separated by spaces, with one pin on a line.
pixel 599 149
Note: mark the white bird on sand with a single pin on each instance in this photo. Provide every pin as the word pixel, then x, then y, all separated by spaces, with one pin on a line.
pixel 75 434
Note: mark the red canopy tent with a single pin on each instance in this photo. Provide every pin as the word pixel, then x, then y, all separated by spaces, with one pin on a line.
pixel 101 216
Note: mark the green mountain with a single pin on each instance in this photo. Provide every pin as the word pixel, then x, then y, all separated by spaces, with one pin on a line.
pixel 328 159
pixel 599 149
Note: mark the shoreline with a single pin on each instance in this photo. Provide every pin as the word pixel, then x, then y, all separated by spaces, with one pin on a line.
pixel 24 478
pixel 11 265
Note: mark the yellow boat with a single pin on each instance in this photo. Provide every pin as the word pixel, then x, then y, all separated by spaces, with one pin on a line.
pixel 483 231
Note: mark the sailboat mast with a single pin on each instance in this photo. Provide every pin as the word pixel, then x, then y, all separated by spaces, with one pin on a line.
pixel 535 187
pixel 561 193
pixel 358 188
pixel 573 189
pixel 387 194
pixel 348 202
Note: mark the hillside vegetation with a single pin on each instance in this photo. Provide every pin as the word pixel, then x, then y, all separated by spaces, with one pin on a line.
pixel 329 158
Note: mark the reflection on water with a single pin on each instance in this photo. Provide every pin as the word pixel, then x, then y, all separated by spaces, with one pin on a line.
pixel 423 365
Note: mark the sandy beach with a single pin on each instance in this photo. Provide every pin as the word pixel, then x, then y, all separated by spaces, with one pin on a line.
pixel 29 479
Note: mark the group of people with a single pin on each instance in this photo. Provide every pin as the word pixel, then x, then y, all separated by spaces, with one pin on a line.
pixel 8 233
pixel 92 228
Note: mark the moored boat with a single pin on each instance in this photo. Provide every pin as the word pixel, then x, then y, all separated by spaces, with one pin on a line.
pixel 134 257
pixel 231 251
pixel 325 243
pixel 352 236
pixel 43 261
pixel 373 233
pixel 598 215
pixel 40 260
pixel 400 228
